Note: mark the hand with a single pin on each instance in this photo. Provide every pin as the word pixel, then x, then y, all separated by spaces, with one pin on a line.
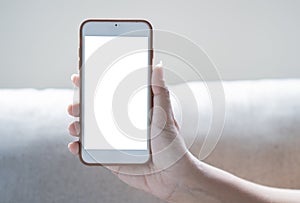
pixel 171 162
pixel 173 174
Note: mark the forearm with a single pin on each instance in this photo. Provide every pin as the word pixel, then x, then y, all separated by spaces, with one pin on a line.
pixel 205 181
pixel 248 140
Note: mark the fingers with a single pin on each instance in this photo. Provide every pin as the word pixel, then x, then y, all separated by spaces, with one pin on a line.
pixel 74 129
pixel 74 147
pixel 76 80
pixel 73 110
pixel 162 108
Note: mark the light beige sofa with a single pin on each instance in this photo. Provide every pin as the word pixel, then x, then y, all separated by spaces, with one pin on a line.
pixel 260 142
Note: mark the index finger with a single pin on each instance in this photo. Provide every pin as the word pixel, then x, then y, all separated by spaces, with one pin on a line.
pixel 76 80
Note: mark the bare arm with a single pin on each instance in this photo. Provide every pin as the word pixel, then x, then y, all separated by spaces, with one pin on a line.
pixel 261 154
pixel 227 188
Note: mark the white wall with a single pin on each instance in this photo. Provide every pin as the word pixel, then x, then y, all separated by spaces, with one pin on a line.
pixel 246 39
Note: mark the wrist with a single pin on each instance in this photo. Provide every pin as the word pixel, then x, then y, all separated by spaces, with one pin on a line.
pixel 205 183
pixel 189 188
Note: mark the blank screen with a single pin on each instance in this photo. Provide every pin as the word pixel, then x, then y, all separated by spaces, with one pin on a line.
pixel 101 129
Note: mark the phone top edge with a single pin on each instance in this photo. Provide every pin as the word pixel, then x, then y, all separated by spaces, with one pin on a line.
pixel 115 20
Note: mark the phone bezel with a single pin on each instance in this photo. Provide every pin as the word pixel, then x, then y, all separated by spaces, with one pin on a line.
pixel 91 27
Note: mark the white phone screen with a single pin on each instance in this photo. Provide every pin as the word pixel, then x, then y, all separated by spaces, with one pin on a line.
pixel 101 130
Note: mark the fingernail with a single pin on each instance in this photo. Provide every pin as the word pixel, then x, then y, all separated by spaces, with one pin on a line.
pixel 73 76
pixel 159 65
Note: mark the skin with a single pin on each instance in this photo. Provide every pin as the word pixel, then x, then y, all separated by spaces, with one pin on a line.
pixel 175 175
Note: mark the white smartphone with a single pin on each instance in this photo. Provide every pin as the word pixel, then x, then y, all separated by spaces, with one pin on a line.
pixel 115 58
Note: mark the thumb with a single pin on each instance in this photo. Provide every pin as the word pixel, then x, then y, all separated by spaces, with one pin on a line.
pixel 162 109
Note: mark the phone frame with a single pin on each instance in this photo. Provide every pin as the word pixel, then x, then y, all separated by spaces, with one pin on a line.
pixel 82 152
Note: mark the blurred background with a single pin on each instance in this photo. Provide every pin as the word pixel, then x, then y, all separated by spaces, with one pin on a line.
pixel 245 39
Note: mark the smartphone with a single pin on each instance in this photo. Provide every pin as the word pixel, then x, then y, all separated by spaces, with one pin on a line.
pixel 115 58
